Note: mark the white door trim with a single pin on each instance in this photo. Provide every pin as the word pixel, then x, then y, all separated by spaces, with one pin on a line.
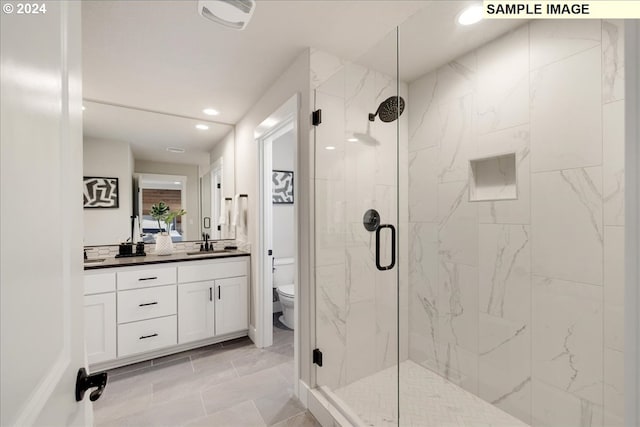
pixel 264 332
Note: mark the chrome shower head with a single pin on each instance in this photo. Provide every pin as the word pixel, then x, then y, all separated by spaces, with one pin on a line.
pixel 389 110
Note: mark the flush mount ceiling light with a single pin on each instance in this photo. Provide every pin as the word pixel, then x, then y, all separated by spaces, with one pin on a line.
pixel 230 13
pixel 352 139
pixel 470 15
pixel 175 150
pixel 210 112
pixel 330 147
pixel 202 127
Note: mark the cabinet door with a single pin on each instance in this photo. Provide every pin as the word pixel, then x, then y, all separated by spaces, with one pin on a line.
pixel 195 311
pixel 231 305
pixel 100 327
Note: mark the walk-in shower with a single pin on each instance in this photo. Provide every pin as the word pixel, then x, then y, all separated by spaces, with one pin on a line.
pixel 493 184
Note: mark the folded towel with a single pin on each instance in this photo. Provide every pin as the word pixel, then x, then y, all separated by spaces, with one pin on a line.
pixel 235 216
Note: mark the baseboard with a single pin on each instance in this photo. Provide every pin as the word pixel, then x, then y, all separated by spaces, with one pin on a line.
pixel 327 414
pixel 252 333
pixel 116 363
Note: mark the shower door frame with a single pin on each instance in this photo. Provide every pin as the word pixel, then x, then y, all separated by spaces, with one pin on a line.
pixel 321 397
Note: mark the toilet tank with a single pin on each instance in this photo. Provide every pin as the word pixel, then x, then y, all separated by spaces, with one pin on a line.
pixel 285 269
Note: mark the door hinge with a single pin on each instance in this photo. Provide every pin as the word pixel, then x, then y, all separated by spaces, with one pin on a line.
pixel 316 117
pixel 269 252
pixel 218 185
pixel 317 357
pixel 219 228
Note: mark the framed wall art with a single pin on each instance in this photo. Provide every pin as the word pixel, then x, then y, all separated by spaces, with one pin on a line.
pixel 282 187
pixel 100 192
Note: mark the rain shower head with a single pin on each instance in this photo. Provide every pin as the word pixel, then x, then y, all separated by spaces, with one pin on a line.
pixel 389 110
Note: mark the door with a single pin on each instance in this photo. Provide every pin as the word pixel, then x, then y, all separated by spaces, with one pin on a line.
pixel 100 327
pixel 195 311
pixel 231 305
pixel 356 221
pixel 42 334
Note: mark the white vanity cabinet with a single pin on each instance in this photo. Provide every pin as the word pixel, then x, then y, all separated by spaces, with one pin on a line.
pixel 147 308
pixel 212 299
pixel 135 313
pixel 231 305
pixel 196 308
pixel 100 316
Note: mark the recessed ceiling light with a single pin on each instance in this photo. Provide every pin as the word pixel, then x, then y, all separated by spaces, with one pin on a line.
pixel 470 15
pixel 202 127
pixel 83 108
pixel 352 139
pixel 177 182
pixel 175 150
pixel 331 147
pixel 211 112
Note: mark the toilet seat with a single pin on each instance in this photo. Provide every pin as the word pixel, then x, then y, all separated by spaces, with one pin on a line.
pixel 287 290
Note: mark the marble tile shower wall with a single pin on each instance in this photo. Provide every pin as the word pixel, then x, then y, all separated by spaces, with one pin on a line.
pixel 356 305
pixel 520 301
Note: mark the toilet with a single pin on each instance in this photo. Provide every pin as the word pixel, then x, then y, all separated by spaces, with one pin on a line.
pixel 286 293
pixel 283 279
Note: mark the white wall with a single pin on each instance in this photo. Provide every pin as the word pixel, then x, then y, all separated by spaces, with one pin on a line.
pixel 295 79
pixel 226 149
pixel 192 207
pixel 112 159
pixel 283 214
pixel 521 301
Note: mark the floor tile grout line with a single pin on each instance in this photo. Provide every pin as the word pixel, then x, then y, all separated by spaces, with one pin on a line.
pixel 259 413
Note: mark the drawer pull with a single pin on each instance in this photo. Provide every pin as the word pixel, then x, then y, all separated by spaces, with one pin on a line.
pixel 147 303
pixel 148 336
pixel 148 278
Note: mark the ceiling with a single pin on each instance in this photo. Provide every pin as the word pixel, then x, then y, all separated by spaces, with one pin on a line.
pixel 163 56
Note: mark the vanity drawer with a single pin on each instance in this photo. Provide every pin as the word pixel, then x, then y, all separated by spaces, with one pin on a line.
pixel 98 283
pixel 147 335
pixel 215 270
pixel 146 277
pixel 141 304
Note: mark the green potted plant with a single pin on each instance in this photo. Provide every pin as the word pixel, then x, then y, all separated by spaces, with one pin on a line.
pixel 161 213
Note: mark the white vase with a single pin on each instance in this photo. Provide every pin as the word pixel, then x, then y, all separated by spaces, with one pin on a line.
pixel 164 245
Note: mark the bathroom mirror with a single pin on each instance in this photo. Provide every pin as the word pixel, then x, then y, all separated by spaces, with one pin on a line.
pixel 156 156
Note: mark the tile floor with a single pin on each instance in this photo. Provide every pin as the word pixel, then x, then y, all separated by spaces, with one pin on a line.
pixel 426 399
pixel 228 384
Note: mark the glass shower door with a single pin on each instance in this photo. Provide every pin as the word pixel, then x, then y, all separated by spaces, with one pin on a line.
pixel 356 232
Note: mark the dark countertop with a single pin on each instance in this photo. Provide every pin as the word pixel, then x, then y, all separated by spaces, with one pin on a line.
pixel 161 259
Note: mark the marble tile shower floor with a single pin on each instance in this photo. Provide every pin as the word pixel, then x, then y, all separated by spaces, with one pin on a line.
pixel 229 384
pixel 426 399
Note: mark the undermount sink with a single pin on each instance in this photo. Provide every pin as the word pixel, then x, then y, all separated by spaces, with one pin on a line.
pixel 220 251
pixel 91 261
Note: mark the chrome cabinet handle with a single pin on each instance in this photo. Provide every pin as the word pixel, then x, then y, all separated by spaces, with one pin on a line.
pixel 393 247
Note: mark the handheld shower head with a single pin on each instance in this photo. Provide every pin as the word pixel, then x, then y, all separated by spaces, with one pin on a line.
pixel 389 110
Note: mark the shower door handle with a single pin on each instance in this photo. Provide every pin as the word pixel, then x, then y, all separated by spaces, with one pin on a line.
pixel 393 247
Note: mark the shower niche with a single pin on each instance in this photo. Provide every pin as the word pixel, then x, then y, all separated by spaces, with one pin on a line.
pixel 493 178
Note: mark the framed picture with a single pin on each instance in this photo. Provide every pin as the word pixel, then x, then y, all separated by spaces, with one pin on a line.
pixel 282 187
pixel 100 192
